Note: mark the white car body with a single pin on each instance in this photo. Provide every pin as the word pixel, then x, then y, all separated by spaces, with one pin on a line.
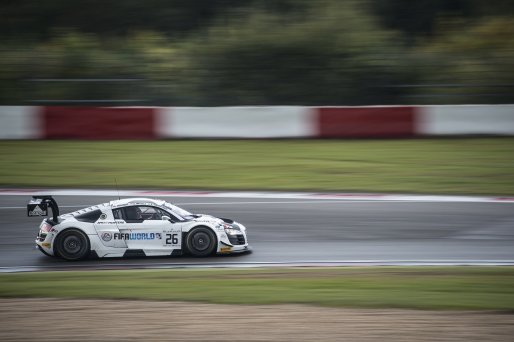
pixel 162 232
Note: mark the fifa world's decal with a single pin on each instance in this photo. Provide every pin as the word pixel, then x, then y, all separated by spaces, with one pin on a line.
pixel 137 236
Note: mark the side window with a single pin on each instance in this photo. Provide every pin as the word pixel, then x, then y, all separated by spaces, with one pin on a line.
pixel 150 213
pixel 170 215
pixel 138 214
pixel 133 214
pixel 118 214
pixel 153 213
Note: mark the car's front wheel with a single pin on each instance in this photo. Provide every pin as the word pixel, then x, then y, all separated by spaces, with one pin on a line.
pixel 72 244
pixel 201 242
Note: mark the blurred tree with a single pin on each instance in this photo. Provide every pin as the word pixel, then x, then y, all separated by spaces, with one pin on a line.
pixel 420 17
pixel 476 62
pixel 333 54
pixel 39 19
pixel 414 17
pixel 228 52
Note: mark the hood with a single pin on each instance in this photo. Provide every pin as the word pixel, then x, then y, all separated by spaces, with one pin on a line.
pixel 206 218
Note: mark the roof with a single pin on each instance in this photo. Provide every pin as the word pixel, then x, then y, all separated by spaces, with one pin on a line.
pixel 85 210
pixel 136 201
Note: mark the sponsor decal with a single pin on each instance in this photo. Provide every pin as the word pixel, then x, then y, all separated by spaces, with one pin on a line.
pixel 137 236
pixel 106 222
pixel 46 244
pixel 204 220
pixel 225 249
pixel 106 236
pixel 103 216
pixel 37 211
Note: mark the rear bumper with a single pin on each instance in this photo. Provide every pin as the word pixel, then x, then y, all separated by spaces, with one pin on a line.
pixel 45 245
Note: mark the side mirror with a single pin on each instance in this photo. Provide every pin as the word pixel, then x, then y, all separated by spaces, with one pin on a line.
pixel 166 218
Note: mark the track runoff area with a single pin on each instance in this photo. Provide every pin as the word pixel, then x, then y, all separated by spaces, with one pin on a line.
pixel 296 229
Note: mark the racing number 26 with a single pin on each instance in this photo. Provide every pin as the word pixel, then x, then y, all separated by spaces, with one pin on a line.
pixel 171 239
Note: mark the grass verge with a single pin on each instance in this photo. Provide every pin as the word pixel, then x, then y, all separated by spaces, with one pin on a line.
pixel 463 288
pixel 460 166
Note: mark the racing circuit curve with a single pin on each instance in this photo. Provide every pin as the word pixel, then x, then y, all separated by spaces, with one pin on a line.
pixel 299 230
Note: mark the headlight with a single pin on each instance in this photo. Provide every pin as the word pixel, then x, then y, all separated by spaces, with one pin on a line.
pixel 232 231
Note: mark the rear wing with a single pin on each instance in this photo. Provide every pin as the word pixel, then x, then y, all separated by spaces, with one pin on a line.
pixel 38 206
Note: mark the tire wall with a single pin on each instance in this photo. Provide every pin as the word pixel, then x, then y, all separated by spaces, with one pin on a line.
pixel 148 123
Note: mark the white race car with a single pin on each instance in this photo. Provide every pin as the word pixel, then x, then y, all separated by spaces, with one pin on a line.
pixel 133 227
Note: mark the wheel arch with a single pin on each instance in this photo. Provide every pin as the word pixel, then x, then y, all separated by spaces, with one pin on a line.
pixel 54 244
pixel 186 233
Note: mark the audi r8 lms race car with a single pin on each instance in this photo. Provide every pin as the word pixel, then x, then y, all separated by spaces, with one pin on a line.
pixel 133 227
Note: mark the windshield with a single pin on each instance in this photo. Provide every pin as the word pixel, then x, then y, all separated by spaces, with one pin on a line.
pixel 177 210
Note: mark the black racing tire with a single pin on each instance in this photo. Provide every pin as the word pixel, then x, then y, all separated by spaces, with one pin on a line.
pixel 72 244
pixel 201 242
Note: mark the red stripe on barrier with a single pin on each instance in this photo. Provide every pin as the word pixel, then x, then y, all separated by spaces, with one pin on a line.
pixel 361 122
pixel 98 123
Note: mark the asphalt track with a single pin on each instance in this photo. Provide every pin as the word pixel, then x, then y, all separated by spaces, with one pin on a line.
pixel 303 232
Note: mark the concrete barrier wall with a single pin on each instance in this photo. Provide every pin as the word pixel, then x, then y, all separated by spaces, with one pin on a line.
pixel 236 122
pixel 54 122
pixel 472 119
pixel 365 122
pixel 21 122
pixel 98 122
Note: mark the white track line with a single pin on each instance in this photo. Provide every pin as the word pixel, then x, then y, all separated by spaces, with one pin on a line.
pixel 262 195
pixel 239 265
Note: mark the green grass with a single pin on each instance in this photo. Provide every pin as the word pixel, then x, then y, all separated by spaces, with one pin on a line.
pixel 469 288
pixel 460 166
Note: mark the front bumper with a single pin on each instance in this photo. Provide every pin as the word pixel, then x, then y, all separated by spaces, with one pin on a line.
pixel 233 239
pixel 226 249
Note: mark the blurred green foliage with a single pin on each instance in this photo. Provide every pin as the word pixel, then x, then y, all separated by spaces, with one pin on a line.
pixel 258 52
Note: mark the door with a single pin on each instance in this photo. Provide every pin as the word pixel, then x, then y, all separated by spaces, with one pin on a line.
pixel 107 227
pixel 150 229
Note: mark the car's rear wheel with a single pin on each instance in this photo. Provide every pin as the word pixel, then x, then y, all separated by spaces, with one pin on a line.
pixel 72 244
pixel 201 242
